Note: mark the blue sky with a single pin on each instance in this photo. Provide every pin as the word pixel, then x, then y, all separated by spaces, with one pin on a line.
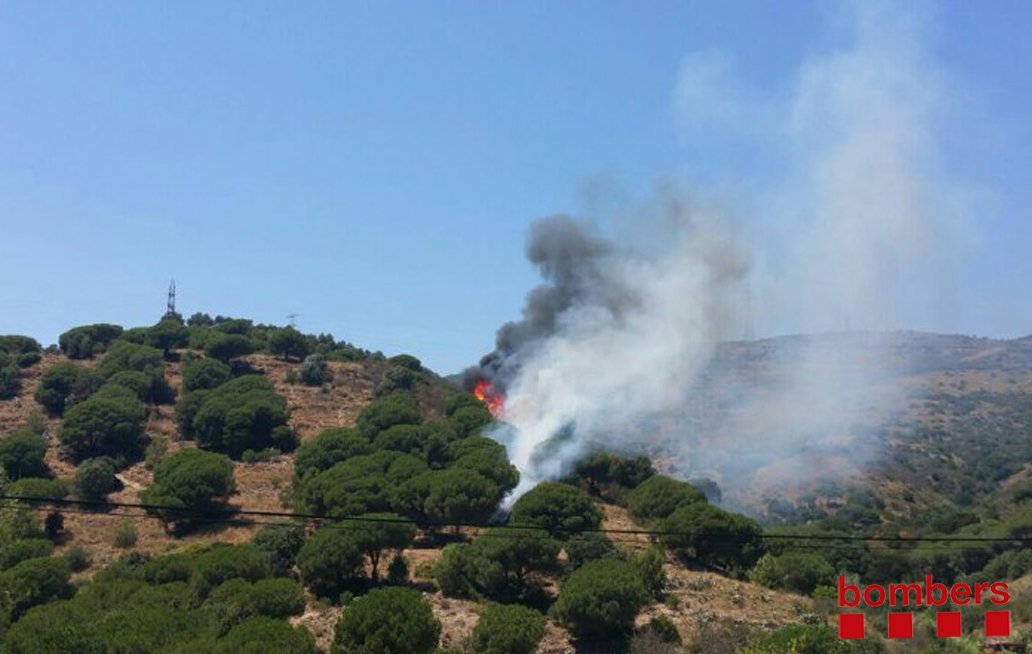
pixel 373 167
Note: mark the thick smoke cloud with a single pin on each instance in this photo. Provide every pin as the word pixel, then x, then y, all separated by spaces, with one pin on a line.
pixel 624 345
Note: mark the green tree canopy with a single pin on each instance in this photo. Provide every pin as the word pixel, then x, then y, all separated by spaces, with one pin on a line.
pixel 377 533
pixel 168 334
pixel 328 559
pixel 328 448
pixel 204 373
pixel 243 414
pixel 95 478
pixel 263 635
pixel 289 343
pixel 21 455
pixel 386 412
pixel 226 347
pixel 713 536
pixel 192 479
pixel 508 629
pixel 456 495
pixel 659 496
pixel 88 340
pixel 600 598
pixel 64 384
pixel 388 621
pixel 100 426
pixel 559 508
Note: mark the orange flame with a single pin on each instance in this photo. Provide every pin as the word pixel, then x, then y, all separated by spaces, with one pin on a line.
pixel 487 394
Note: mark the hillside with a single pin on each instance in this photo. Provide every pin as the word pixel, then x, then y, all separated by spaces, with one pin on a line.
pixel 948 449
pixel 695 599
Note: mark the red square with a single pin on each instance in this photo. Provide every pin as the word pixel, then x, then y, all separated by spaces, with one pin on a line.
pixel 997 623
pixel 851 625
pixel 901 625
pixel 947 624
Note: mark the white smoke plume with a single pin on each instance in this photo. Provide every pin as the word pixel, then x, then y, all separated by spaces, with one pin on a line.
pixel 860 233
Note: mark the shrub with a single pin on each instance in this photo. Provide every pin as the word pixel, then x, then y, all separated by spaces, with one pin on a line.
pixel 664 629
pixel 712 536
pixel 262 635
pixel 24 549
pixel 512 629
pixel 314 370
pixel 86 341
pixel 387 621
pixel 10 381
pixel 226 347
pixel 288 342
pixel 63 385
pixel 397 378
pixel 15 345
pixel 588 546
pixel 95 478
pixel 600 598
pixel 38 487
pixel 100 426
pixel 21 455
pixel 243 414
pixel 186 410
pixel 237 599
pixel 558 508
pixel 599 469
pixel 328 558
pixel 470 420
pixel 125 534
pixel 204 373
pixel 123 355
pixel 78 558
pixel 650 567
pixel 799 572
pixel 33 582
pixel 385 412
pixel 191 479
pixel 802 639
pixel 328 448
pixel 280 543
pixel 659 496
pixel 406 361
pixel 398 570
pixel 218 563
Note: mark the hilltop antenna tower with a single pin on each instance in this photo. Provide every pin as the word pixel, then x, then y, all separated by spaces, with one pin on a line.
pixel 170 308
pixel 292 319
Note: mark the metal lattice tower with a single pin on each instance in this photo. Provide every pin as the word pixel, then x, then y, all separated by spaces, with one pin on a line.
pixel 171 308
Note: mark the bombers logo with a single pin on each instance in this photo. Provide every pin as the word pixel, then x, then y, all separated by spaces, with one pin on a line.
pixel 930 593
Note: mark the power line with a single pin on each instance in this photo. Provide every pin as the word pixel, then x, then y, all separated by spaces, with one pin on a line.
pixel 541 533
pixel 216 514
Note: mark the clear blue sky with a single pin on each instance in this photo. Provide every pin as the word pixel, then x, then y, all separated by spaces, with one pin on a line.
pixel 373 166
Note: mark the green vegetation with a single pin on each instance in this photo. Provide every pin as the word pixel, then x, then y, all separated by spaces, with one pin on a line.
pixel 192 480
pixel 511 629
pixel 103 426
pixel 65 384
pixel 21 455
pixel 315 371
pixel 88 340
pixel 243 414
pixel 204 373
pixel 289 343
pixel 659 496
pixel 95 478
pixel 601 598
pixel 387 621
pixel 557 508
pixel 712 536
